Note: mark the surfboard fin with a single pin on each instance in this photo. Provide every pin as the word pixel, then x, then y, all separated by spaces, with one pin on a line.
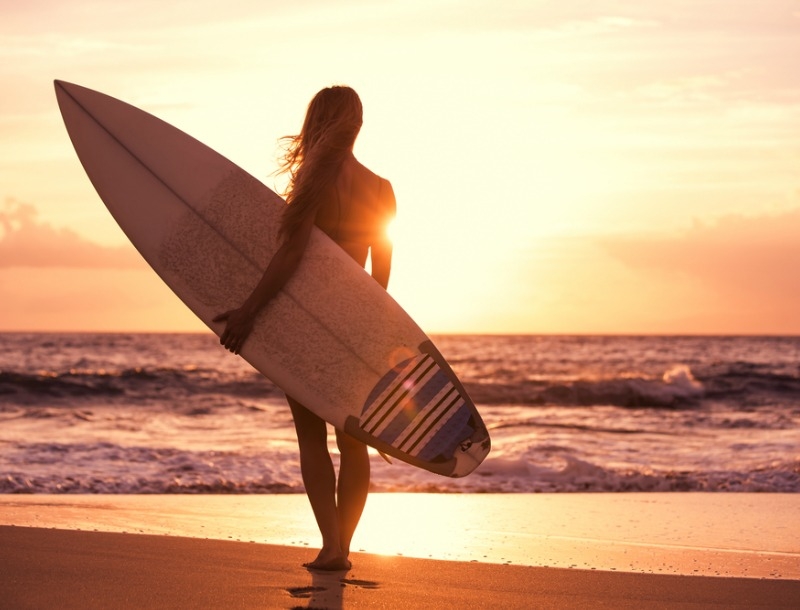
pixel 384 456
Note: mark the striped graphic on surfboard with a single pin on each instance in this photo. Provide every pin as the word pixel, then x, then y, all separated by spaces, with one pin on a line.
pixel 416 409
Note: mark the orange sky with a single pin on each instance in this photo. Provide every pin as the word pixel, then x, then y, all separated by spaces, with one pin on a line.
pixel 572 167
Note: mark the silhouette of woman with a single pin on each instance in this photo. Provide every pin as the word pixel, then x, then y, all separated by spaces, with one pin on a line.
pixel 328 188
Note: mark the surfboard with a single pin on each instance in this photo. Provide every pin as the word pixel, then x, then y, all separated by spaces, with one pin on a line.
pixel 332 339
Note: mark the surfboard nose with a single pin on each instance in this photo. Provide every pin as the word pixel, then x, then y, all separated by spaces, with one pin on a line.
pixel 62 86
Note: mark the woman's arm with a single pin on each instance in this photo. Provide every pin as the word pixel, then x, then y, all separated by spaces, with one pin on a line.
pixel 381 254
pixel 381 248
pixel 239 322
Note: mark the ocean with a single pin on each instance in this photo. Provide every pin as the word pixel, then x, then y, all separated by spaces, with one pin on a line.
pixel 175 413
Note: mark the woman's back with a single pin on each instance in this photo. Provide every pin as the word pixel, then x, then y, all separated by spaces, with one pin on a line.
pixel 357 210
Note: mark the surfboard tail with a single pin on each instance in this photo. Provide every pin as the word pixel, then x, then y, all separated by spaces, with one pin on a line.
pixel 419 412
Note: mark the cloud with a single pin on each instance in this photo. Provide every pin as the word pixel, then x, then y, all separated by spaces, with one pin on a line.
pixel 90 300
pixel 27 242
pixel 750 261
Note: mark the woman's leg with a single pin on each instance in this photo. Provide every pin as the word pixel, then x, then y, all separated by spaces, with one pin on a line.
pixel 320 483
pixel 353 486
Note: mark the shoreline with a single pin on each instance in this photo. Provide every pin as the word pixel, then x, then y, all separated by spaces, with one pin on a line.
pixel 616 551
pixel 726 535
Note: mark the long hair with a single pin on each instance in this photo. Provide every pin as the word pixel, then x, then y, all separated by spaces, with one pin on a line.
pixel 313 157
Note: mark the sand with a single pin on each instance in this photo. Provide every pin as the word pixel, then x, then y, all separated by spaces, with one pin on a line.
pixel 436 551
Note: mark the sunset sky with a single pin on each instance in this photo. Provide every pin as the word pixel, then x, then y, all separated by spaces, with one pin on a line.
pixel 615 166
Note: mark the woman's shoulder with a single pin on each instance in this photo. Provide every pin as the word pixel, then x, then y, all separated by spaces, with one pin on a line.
pixel 365 174
pixel 372 182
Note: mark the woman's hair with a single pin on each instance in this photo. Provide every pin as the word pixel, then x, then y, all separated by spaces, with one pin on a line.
pixel 313 157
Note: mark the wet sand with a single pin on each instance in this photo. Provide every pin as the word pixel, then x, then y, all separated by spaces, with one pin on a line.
pixel 485 551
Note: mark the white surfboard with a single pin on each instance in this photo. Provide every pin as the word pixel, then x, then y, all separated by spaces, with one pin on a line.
pixel 333 338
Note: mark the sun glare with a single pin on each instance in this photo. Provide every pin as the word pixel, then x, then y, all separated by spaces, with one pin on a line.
pixel 391 230
pixel 408 534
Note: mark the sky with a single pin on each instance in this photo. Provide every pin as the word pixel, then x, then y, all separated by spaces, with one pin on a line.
pixel 614 166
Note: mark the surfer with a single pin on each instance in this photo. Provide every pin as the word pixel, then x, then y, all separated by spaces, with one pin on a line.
pixel 330 189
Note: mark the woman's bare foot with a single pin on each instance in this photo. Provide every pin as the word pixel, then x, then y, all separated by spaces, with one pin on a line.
pixel 334 565
pixel 329 561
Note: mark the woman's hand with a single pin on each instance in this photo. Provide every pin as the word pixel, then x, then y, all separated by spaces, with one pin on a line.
pixel 239 324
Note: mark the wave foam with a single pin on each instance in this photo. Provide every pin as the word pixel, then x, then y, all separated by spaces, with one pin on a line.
pixel 676 388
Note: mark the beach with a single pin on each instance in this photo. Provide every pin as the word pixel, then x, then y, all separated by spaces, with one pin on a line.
pixel 413 550
pixel 155 471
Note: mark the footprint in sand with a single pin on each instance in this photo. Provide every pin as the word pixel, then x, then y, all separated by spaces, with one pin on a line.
pixel 304 591
pixel 363 584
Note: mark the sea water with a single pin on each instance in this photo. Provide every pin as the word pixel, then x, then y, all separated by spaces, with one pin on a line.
pixel 176 413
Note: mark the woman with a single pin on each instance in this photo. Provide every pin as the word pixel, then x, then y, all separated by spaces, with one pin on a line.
pixel 328 188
